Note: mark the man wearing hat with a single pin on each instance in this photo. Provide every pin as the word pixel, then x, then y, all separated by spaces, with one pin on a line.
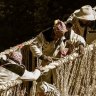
pixel 83 22
pixel 52 45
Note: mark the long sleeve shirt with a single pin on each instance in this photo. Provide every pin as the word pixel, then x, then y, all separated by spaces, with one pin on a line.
pixel 40 46
pixel 90 34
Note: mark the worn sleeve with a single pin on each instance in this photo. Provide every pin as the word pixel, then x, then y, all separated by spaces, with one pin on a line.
pixel 77 38
pixel 69 20
pixel 16 68
pixel 81 40
pixel 31 75
pixel 36 45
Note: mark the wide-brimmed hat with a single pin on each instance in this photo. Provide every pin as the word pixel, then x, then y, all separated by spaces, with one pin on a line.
pixel 85 12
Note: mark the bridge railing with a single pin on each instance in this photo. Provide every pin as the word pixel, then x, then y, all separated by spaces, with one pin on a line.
pixel 76 78
pixel 11 88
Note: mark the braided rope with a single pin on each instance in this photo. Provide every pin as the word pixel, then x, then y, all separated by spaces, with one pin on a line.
pixel 19 46
pixel 66 59
pixel 9 84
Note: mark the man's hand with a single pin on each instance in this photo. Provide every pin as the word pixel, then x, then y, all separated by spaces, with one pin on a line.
pixel 42 69
pixel 47 58
pixel 70 46
pixel 81 50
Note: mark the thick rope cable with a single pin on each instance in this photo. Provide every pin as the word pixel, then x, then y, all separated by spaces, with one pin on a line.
pixel 65 59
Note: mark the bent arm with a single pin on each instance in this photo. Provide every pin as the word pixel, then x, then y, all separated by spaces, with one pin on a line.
pixel 36 45
pixel 77 38
pixel 70 18
pixel 81 40
pixel 31 75
pixel 22 72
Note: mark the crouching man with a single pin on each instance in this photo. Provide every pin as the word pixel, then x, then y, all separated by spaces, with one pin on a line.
pixel 12 62
pixel 55 43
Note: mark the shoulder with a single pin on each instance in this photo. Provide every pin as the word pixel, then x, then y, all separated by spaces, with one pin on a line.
pixel 75 37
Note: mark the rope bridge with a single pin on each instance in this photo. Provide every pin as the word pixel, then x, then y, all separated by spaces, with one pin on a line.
pixel 75 76
pixel 11 88
pixel 78 77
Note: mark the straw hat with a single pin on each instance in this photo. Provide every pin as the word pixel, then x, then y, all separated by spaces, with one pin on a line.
pixel 85 12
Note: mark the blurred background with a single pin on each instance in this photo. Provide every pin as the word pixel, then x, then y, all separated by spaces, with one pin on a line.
pixel 20 20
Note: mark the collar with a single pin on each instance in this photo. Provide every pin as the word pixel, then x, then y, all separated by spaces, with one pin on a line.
pixel 67 35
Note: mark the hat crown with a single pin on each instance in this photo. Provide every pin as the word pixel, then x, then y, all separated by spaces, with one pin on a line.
pixel 86 10
pixel 86 13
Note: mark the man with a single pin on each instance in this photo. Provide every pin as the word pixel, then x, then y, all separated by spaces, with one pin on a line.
pixel 12 62
pixel 83 22
pixel 55 44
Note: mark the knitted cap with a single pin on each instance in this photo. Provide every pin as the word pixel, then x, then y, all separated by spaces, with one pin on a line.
pixel 59 26
pixel 16 56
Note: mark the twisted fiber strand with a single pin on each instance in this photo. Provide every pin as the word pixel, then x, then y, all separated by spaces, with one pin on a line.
pixel 11 88
pixel 93 87
pixel 79 73
pixel 16 47
pixel 9 84
pixel 66 59
pixel 75 85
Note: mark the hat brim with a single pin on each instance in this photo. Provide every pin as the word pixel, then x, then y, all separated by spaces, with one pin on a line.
pixel 79 15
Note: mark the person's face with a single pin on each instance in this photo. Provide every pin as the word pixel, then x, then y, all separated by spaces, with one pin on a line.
pixel 85 22
pixel 58 33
